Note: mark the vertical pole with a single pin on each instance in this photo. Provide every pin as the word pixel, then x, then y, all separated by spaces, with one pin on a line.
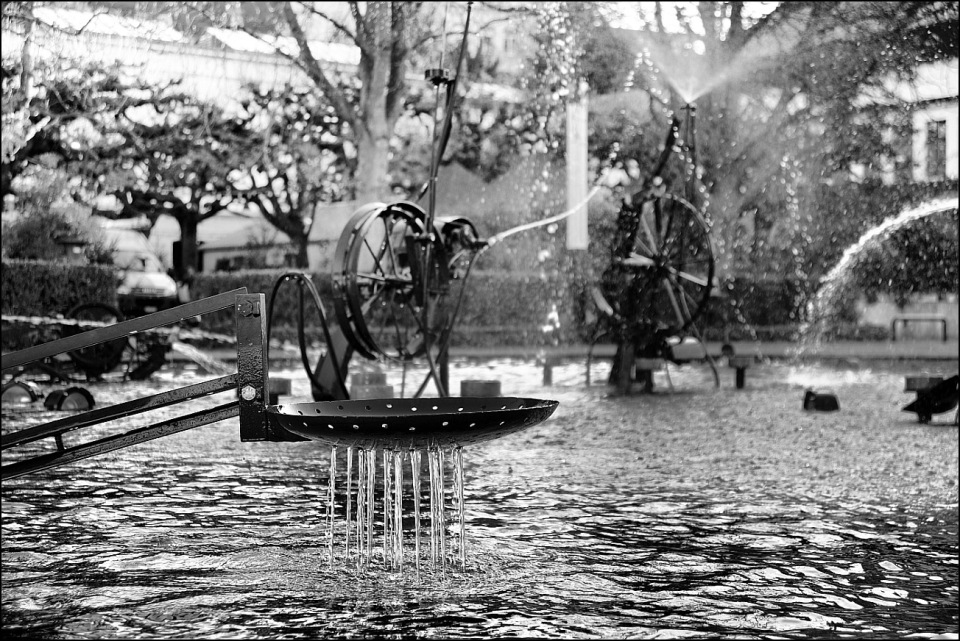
pixel 445 365
pixel 627 360
pixel 577 235
pixel 252 368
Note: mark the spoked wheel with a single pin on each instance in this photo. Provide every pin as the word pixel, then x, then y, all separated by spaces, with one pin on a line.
pixel 96 360
pixel 378 284
pixel 663 285
pixel 149 355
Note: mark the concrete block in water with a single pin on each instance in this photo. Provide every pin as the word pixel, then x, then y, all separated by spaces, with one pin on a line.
pixel 649 364
pixel 689 349
pixel 277 387
pixel 358 392
pixel 480 388
pixel 368 376
pixel 740 363
pixel 820 402
pixel 370 382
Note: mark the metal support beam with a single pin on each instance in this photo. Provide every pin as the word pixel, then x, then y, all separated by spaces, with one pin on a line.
pixel 121 329
pixel 253 372
pixel 103 414
pixel 325 383
pixel 111 443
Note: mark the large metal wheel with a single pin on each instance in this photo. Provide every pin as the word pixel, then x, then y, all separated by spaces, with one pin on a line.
pixel 379 285
pixel 662 284
pixel 96 360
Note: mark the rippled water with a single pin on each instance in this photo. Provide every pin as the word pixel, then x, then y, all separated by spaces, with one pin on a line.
pixel 705 511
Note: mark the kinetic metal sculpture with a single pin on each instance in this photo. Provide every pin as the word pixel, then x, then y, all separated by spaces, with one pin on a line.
pixel 661 268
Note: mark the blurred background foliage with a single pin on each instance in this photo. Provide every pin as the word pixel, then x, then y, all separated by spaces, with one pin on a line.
pixel 776 142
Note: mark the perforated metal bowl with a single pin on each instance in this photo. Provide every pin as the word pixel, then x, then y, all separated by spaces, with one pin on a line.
pixel 411 423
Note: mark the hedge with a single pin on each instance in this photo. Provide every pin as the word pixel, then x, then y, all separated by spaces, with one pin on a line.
pixel 508 308
pixel 500 307
pixel 261 281
pixel 771 309
pixel 42 288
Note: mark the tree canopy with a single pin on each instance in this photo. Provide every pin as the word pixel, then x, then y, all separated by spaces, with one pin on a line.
pixel 294 158
pixel 788 101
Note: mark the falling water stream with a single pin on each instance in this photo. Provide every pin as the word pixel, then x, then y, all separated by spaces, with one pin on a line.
pixel 363 508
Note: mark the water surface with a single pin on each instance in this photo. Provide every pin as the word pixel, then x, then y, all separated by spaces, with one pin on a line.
pixel 701 512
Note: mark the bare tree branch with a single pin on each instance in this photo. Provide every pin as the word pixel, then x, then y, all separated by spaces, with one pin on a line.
pixel 524 10
pixel 309 64
pixel 336 23
pixel 396 87
pixel 363 34
pixel 219 206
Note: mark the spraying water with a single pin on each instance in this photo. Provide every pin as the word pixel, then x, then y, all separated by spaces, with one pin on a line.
pixel 835 285
pixel 693 75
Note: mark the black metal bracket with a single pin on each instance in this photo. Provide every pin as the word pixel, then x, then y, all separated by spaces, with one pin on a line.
pixel 253 372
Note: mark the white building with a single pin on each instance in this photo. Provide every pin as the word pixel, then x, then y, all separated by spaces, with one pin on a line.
pixel 936 121
pixel 215 71
pixel 931 153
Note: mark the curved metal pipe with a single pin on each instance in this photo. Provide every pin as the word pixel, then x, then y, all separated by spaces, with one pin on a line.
pixel 304 279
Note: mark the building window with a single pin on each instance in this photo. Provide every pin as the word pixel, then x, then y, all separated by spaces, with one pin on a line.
pixel 937 150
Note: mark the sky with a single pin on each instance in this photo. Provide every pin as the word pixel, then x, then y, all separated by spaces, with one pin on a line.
pixel 631 15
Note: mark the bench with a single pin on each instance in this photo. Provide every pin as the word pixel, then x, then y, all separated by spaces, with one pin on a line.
pixel 905 319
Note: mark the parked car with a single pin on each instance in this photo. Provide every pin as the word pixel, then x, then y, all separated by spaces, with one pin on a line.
pixel 145 286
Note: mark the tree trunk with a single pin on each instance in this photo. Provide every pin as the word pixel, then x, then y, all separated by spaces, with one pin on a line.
pixel 380 111
pixel 189 259
pixel 26 55
pixel 303 258
pixel 373 157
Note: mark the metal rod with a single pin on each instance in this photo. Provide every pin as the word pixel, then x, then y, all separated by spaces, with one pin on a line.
pixel 429 231
pixel 691 144
pixel 103 414
pixel 109 444
pixel 120 330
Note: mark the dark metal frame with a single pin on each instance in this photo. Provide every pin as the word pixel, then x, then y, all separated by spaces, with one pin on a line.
pixel 250 382
pixel 253 372
pixel 120 330
pixel 635 336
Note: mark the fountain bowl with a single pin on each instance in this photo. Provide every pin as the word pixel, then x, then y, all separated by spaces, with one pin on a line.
pixel 411 423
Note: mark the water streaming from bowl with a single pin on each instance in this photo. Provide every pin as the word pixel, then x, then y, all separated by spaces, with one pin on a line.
pixel 364 508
